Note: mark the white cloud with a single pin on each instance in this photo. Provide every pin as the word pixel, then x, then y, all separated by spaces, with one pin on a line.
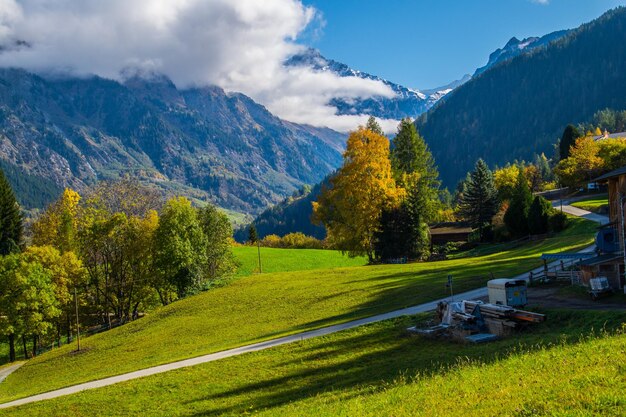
pixel 238 45
pixel 543 2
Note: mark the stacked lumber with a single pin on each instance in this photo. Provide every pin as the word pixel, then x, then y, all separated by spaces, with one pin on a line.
pixel 504 313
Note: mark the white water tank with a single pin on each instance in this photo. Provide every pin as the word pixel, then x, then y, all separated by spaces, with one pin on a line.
pixel 507 292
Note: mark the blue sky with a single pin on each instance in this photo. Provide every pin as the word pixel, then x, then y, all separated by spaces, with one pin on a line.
pixel 241 45
pixel 428 43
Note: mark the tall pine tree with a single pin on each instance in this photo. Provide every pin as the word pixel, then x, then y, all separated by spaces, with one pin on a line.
pixel 414 169
pixel 11 227
pixel 479 202
pixel 373 126
pixel 570 134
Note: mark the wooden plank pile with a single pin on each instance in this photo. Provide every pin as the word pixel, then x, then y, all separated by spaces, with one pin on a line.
pixel 502 320
pixel 504 313
pixel 477 322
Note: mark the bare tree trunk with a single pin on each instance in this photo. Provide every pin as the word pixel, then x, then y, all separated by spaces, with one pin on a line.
pixel 69 327
pixel 135 312
pixel 163 300
pixel 24 346
pixel 11 348
pixel 35 339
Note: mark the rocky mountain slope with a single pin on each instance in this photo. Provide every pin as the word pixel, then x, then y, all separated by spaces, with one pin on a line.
pixel 201 142
pixel 515 47
pixel 408 102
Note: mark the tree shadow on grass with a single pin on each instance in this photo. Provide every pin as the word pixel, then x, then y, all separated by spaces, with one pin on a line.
pixel 363 361
pixel 409 288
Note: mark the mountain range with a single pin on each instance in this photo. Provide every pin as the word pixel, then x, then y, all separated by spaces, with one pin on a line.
pixel 225 148
pixel 513 107
pixel 521 105
pixel 408 102
pixel 201 142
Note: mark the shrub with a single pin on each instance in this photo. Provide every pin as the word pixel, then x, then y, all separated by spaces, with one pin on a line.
pixel 558 222
pixel 539 215
pixel 292 241
pixel 271 241
pixel 301 241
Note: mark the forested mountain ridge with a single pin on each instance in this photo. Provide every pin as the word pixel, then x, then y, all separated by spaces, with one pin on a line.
pixel 291 215
pixel 200 142
pixel 520 107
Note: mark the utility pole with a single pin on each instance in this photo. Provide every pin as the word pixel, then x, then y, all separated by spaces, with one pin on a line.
pixel 621 229
pixel 449 285
pixel 77 323
pixel 258 246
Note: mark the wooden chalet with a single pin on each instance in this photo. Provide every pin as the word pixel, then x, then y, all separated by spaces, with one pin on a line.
pixel 610 238
pixel 443 233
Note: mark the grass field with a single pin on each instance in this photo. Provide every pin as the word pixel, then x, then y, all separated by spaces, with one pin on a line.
pixel 377 370
pixel 285 260
pixel 595 204
pixel 265 306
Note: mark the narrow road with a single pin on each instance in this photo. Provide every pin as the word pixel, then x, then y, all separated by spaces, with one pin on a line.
pixel 474 294
pixel 4 372
pixel 594 217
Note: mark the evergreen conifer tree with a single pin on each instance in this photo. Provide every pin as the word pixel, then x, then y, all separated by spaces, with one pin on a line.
pixel 373 126
pixel 252 234
pixel 516 216
pixel 479 202
pixel 11 227
pixel 414 169
pixel 570 134
pixel 539 216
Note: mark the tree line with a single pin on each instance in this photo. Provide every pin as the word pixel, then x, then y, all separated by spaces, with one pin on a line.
pixel 501 205
pixel 120 249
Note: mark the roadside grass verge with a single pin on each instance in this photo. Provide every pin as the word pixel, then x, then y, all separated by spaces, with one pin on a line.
pixel 595 204
pixel 284 260
pixel 565 365
pixel 265 306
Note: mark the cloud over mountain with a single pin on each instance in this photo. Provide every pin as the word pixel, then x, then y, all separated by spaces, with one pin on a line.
pixel 240 46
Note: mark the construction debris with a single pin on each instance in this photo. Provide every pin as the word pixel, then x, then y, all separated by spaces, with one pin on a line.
pixel 477 322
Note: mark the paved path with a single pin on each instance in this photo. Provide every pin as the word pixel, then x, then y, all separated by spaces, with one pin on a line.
pixel 469 295
pixel 4 372
pixel 575 211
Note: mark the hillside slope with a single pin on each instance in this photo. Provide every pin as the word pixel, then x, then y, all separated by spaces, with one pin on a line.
pixel 201 142
pixel 520 106
pixel 267 306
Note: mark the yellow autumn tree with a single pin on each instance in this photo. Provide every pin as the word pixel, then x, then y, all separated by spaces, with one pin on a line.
pixel 583 164
pixel 350 207
pixel 505 180
pixel 57 225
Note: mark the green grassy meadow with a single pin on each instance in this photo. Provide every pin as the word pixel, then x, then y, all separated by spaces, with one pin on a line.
pixel 595 204
pixel 565 364
pixel 265 306
pixel 284 260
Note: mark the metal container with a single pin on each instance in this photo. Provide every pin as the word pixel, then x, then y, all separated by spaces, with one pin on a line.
pixel 507 292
